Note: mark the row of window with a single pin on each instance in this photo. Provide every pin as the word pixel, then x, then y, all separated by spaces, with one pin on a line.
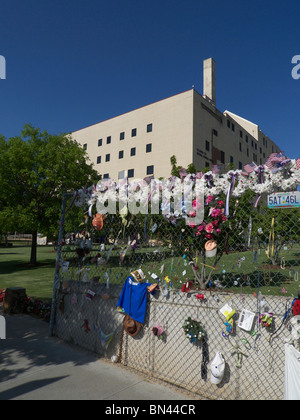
pixel 130 173
pixel 253 143
pixel 149 129
pixel 121 153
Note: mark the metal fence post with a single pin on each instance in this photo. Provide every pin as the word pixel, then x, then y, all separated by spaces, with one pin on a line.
pixel 57 268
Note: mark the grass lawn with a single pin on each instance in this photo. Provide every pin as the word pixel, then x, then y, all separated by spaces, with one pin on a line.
pixel 38 281
pixel 237 271
pixel 15 271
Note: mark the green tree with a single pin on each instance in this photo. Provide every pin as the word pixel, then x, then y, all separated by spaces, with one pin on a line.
pixel 35 170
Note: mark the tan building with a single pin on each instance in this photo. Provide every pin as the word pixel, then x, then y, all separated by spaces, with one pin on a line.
pixel 188 125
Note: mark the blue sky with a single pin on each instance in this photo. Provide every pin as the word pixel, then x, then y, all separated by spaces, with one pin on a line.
pixel 73 63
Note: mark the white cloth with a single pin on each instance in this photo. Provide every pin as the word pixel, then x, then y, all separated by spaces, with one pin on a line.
pixel 292 373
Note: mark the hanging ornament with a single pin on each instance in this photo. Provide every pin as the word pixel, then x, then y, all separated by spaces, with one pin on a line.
pixel 86 326
pixel 193 330
pixel 158 330
pixel 90 294
pixel 105 339
pixel 98 221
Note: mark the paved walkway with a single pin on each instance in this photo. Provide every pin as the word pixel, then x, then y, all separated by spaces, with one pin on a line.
pixel 34 366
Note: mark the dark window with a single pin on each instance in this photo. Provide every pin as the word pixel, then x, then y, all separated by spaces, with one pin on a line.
pixel 132 151
pixel 241 134
pixel 122 135
pixel 105 176
pixel 207 145
pixel 215 133
pixel 149 128
pixel 108 140
pixel 228 123
pixel 99 142
pixel 107 157
pixel 133 132
pixel 222 157
pixel 99 159
pixel 233 127
pixel 130 173
pixel 240 165
pixel 150 170
pixel 121 154
pixel 240 147
pixel 85 146
pixel 247 139
pixel 231 159
pixel 149 148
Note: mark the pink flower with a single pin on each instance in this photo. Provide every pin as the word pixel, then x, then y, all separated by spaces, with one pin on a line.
pixel 220 203
pixel 196 204
pixel 209 228
pixel 223 218
pixel 209 199
pixel 215 223
pixel 209 236
pixel 200 229
pixel 216 213
pixel 218 231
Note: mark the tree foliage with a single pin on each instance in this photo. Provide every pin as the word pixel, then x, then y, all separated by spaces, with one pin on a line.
pixel 35 169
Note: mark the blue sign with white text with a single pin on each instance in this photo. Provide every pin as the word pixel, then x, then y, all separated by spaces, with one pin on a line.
pixel 284 200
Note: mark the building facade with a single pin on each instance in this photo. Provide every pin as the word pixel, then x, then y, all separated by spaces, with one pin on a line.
pixel 188 125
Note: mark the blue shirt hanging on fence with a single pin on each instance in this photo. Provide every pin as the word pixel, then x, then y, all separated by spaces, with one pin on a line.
pixel 133 299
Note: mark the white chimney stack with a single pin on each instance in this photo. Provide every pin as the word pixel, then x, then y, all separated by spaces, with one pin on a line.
pixel 209 80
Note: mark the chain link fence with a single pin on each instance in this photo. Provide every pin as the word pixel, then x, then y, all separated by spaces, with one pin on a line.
pixel 225 286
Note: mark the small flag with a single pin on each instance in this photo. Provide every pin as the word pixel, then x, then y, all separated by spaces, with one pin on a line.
pixel 275 160
pixel 250 167
pixel 216 169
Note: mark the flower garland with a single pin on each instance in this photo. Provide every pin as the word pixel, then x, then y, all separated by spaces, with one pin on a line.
pixel 193 330
pixel 260 179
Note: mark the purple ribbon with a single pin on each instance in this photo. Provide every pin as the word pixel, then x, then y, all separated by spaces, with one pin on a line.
pixel 233 176
pixel 260 173
pixel 208 178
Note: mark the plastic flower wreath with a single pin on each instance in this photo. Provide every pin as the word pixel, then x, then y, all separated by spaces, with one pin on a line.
pixel 193 330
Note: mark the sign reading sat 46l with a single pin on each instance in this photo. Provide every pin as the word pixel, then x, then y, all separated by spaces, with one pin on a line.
pixel 284 200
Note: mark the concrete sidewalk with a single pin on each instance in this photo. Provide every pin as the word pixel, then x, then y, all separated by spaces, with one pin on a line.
pixel 35 366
